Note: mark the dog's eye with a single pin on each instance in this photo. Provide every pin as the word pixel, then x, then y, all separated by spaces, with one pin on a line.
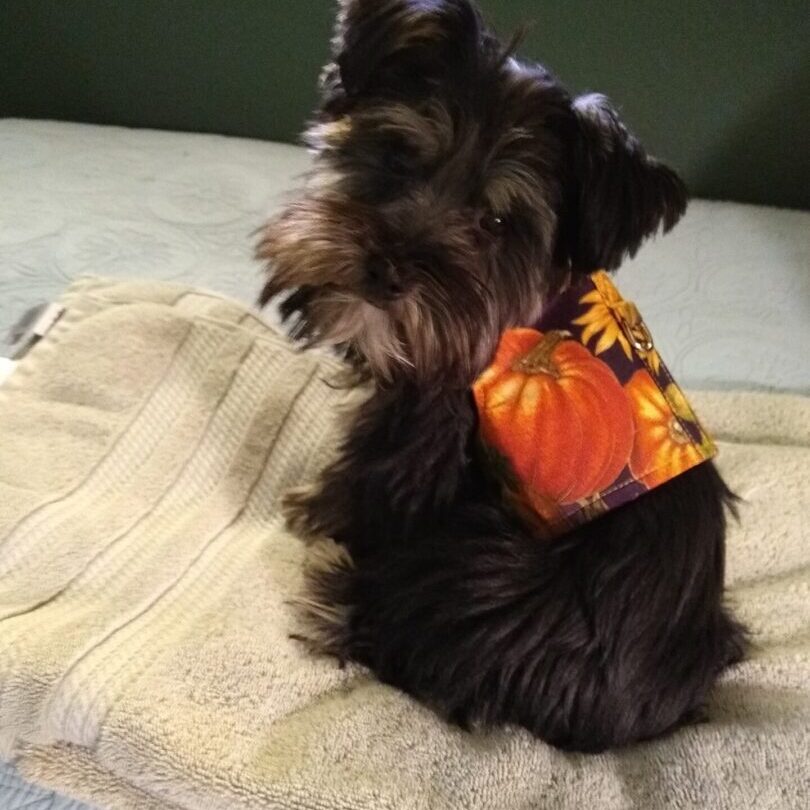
pixel 493 224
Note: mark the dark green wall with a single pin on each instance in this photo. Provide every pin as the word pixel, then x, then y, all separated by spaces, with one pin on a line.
pixel 720 89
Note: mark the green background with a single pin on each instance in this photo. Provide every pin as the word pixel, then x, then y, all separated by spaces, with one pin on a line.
pixel 720 89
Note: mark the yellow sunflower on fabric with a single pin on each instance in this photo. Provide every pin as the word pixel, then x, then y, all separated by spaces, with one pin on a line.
pixel 607 316
pixel 600 318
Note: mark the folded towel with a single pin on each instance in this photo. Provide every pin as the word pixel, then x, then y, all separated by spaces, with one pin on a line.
pixel 145 572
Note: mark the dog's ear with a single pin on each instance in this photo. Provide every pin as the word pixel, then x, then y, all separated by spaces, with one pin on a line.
pixel 617 195
pixel 400 46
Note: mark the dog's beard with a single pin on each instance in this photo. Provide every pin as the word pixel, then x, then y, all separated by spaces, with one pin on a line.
pixel 423 336
pixel 445 325
pixel 366 331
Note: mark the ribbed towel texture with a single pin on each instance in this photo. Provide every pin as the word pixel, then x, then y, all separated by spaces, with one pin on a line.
pixel 145 573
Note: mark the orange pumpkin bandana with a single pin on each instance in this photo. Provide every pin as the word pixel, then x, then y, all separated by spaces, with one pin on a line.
pixel 580 415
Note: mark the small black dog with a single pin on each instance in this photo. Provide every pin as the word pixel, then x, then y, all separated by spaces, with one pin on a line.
pixel 455 190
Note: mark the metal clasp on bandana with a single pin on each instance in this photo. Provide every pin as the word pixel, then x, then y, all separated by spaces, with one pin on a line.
pixel 32 327
pixel 634 327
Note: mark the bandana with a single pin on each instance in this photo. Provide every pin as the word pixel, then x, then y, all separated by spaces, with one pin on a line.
pixel 580 415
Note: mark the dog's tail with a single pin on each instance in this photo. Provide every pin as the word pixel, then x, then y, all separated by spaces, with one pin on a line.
pixel 591 641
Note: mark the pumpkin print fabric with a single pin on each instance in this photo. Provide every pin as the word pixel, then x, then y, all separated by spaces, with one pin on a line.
pixel 580 415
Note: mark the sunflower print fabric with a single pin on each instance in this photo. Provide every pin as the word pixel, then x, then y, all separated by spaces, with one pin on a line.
pixel 579 415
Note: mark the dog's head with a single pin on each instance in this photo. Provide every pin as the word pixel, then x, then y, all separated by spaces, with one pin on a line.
pixel 454 189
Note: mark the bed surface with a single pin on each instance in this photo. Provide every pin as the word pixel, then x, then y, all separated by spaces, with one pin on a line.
pixel 727 294
pixel 146 578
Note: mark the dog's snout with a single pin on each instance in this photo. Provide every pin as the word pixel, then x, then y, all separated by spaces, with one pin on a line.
pixel 382 279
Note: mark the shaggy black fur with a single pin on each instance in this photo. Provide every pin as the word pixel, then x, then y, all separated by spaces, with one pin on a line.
pixel 610 635
pixel 454 190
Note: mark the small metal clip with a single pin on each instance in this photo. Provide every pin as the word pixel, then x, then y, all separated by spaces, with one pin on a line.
pixel 634 327
pixel 640 337
pixel 32 327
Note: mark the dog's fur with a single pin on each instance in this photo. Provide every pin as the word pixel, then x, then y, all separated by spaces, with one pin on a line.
pixel 455 189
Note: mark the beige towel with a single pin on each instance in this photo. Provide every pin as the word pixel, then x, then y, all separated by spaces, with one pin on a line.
pixel 144 573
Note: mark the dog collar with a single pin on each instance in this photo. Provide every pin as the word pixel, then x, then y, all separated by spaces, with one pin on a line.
pixel 579 414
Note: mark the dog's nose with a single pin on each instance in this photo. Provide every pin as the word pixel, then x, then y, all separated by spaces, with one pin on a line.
pixel 382 281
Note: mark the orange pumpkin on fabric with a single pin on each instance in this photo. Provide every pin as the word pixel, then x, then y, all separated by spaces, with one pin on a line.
pixel 557 413
pixel 662 448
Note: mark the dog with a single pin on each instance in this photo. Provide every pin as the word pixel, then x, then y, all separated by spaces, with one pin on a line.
pixel 455 191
